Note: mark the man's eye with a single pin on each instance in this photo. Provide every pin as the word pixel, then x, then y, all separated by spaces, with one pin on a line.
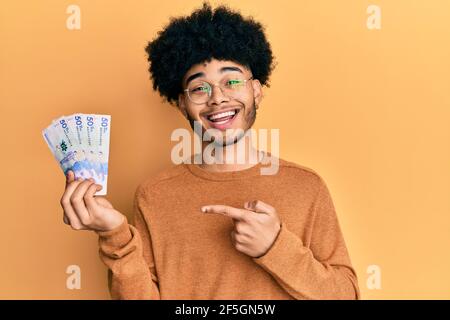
pixel 234 82
pixel 200 89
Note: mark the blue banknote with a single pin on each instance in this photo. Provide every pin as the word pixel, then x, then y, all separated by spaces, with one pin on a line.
pixel 80 142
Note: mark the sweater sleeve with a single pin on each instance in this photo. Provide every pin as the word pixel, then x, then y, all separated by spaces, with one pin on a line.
pixel 127 252
pixel 321 271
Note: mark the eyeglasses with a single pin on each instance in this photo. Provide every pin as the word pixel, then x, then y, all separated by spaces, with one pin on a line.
pixel 200 92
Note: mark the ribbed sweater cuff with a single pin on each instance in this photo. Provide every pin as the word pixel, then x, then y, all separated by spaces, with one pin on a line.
pixel 117 237
pixel 286 245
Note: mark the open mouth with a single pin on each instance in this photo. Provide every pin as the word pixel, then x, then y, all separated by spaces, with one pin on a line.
pixel 223 117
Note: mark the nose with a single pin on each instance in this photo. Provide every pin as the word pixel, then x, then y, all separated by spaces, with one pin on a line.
pixel 217 96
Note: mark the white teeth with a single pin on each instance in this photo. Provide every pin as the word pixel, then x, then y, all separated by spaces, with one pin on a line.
pixel 221 122
pixel 222 115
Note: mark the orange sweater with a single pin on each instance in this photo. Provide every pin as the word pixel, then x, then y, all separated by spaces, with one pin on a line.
pixel 174 251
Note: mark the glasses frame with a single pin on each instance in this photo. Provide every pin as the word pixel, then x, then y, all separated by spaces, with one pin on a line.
pixel 210 92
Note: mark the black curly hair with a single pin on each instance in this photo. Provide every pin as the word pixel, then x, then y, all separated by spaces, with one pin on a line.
pixel 222 34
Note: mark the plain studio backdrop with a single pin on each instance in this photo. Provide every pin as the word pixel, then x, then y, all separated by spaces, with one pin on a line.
pixel 367 108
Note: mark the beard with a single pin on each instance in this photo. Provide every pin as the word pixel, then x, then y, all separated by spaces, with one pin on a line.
pixel 249 120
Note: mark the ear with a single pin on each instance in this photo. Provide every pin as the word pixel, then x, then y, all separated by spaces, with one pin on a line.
pixel 182 105
pixel 257 91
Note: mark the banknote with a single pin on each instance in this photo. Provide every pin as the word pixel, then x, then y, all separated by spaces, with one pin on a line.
pixel 80 142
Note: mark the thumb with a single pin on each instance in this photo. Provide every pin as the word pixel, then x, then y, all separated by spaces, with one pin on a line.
pixel 69 177
pixel 261 207
pixel 89 195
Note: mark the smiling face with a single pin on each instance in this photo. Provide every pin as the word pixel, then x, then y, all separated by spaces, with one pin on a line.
pixel 232 109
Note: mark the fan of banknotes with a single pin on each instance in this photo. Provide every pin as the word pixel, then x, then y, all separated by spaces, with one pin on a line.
pixel 80 142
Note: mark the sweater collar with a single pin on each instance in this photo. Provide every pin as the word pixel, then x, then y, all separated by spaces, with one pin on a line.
pixel 254 170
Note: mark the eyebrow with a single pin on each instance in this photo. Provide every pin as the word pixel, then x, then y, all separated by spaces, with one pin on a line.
pixel 201 74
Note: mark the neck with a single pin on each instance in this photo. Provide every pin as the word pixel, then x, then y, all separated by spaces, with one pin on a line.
pixel 235 157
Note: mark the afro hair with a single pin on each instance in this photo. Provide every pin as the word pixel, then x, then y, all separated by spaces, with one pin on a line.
pixel 222 34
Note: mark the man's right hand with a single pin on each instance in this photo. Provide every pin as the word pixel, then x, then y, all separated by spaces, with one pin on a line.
pixel 85 211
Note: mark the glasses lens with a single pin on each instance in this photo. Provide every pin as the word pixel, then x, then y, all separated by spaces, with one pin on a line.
pixel 235 83
pixel 199 92
pixel 233 87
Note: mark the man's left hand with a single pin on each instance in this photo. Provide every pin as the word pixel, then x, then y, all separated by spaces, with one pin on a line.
pixel 255 227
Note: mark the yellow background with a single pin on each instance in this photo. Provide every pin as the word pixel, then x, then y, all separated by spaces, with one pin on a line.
pixel 367 109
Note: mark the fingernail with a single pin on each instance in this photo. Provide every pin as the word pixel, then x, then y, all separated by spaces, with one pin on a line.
pixel 91 180
pixel 204 209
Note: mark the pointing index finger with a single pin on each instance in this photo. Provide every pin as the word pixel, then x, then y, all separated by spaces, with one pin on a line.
pixel 231 212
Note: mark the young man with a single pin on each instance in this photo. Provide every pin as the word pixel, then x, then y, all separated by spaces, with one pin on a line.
pixel 218 230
